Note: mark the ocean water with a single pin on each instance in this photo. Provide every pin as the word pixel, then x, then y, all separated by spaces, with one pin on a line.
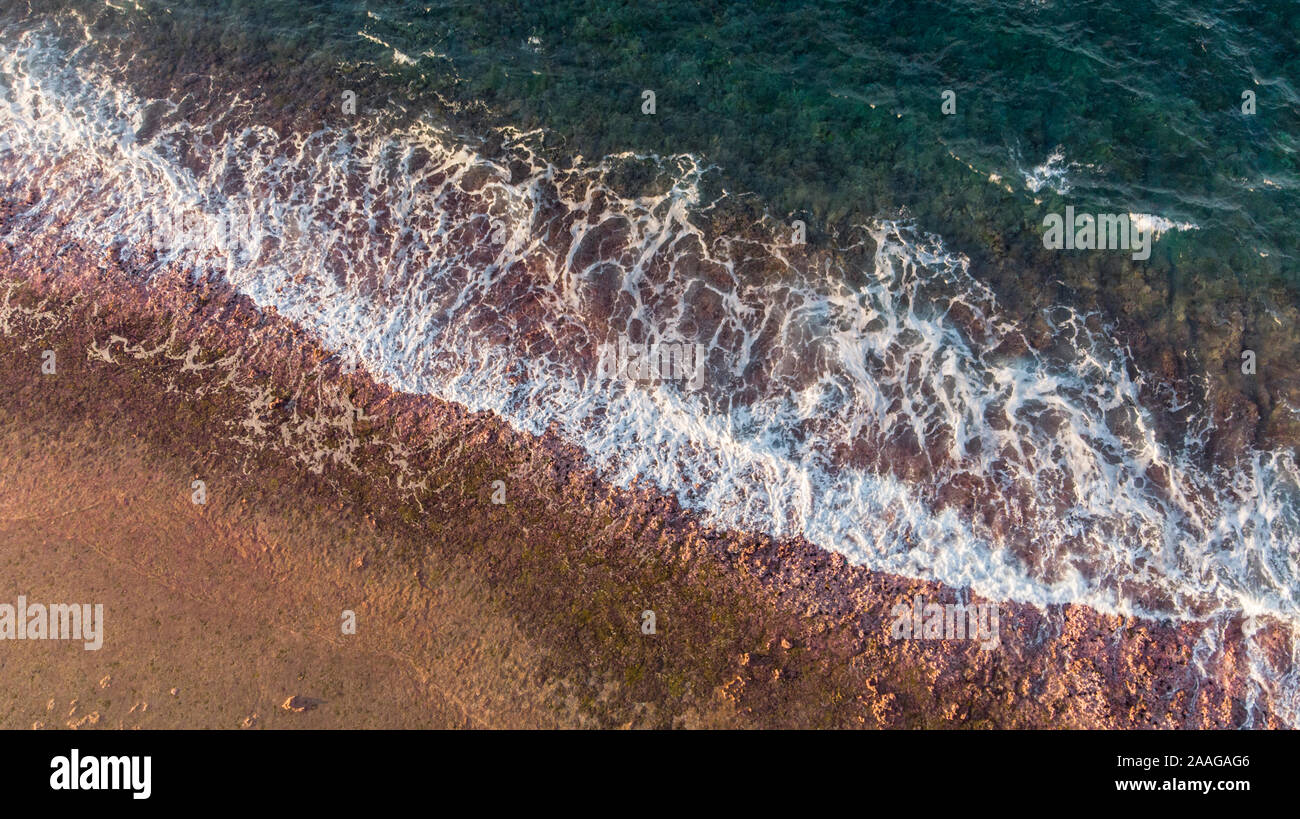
pixel 501 207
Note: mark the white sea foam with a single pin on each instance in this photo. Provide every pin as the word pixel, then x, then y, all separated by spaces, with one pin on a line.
pixel 892 413
pixel 1053 172
pixel 1158 226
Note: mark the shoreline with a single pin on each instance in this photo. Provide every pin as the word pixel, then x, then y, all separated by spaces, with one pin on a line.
pixel 751 632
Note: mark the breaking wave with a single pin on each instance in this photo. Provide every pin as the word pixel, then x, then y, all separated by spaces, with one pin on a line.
pixel 874 400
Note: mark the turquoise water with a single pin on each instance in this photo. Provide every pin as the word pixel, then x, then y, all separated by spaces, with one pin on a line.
pixel 833 109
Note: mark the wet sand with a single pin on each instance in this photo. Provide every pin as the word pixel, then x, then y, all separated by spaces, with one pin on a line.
pixel 327 491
